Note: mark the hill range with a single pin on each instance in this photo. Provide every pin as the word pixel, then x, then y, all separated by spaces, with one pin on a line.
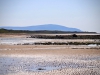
pixel 49 27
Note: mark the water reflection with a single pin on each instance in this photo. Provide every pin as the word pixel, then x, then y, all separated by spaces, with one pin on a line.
pixel 40 64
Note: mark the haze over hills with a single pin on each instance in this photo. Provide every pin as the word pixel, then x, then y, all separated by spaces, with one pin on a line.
pixel 50 27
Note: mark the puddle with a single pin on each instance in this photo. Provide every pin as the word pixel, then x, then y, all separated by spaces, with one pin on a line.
pixel 41 64
pixel 42 69
pixel 18 64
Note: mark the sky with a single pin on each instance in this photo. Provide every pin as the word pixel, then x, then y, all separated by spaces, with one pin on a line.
pixel 81 14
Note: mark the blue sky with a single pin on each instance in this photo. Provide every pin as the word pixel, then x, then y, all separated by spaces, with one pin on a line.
pixel 82 14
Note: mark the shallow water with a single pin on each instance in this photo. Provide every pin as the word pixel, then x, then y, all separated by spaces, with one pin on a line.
pixel 14 40
pixel 15 64
pixel 20 40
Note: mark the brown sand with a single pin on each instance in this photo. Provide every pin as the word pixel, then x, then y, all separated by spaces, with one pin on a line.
pixel 44 49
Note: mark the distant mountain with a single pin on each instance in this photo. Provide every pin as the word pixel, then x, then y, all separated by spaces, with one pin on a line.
pixel 51 27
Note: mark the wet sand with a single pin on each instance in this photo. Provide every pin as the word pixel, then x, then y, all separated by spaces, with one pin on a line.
pixel 51 59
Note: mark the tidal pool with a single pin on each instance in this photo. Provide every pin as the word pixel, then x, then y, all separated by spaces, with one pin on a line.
pixel 16 64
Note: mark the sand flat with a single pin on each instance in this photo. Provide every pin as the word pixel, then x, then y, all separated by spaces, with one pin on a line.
pixel 52 59
pixel 44 49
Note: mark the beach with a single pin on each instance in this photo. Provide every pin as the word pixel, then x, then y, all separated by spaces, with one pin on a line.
pixel 19 58
pixel 48 60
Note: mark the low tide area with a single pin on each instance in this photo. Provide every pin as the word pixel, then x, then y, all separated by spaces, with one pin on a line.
pixel 49 61
pixel 20 56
